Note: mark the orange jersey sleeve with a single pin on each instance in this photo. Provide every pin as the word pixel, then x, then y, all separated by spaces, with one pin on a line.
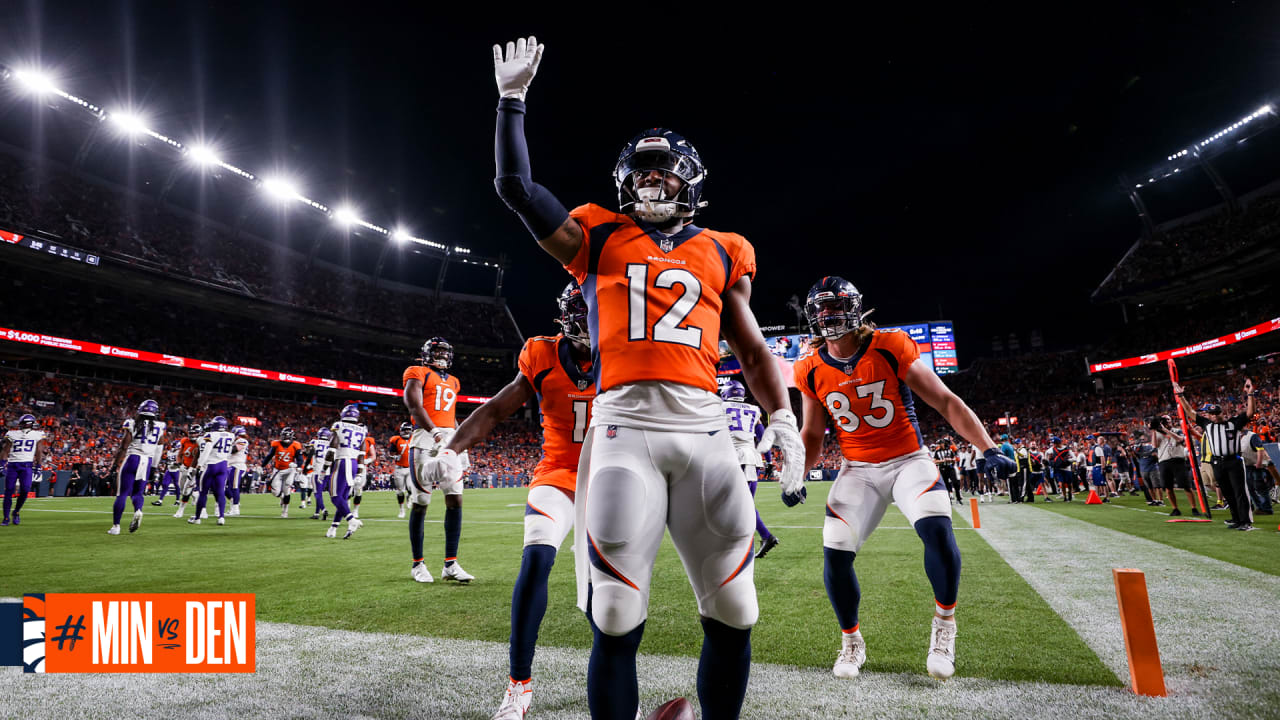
pixel 654 301
pixel 368 449
pixel 401 448
pixel 439 394
pixel 872 408
pixel 565 392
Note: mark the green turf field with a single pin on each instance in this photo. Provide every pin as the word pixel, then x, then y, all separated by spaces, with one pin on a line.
pixel 1130 514
pixel 299 576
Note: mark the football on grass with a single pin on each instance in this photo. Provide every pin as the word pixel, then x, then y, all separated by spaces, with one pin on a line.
pixel 678 709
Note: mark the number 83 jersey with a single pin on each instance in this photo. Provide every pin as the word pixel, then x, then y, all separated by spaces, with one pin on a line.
pixel 654 301
pixel 867 396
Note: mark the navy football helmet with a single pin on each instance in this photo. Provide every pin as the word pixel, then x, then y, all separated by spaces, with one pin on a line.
pixel 217 423
pixel 286 434
pixel 406 429
pixel 833 308
pixel 437 353
pixel 670 154
pixel 194 430
pixel 27 422
pixel 573 314
pixel 733 390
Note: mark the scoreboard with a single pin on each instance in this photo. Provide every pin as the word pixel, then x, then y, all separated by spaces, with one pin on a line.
pixel 937 343
pixel 936 340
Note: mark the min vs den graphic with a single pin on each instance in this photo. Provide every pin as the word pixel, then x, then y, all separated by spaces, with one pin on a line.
pixel 138 632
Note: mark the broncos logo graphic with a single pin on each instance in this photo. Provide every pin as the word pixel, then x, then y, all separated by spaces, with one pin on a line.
pixel 33 633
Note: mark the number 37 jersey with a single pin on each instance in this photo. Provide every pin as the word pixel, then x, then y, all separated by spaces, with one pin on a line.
pixel 654 301
pixel 867 397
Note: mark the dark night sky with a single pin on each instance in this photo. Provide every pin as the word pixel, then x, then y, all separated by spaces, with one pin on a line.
pixel 966 162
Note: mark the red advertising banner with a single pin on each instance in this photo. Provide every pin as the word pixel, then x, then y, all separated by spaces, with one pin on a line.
pixel 1235 337
pixel 22 336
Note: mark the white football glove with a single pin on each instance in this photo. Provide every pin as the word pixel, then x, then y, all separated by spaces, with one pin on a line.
pixel 783 432
pixel 444 469
pixel 516 72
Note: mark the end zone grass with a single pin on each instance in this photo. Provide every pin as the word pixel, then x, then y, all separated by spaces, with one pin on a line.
pixel 1258 550
pixel 1007 631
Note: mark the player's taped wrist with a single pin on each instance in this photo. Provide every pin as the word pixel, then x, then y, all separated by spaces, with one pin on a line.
pixel 538 209
pixel 784 416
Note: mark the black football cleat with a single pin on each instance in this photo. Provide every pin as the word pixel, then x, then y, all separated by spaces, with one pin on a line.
pixel 766 546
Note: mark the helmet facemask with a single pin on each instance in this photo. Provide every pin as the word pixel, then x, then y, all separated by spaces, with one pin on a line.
pixel 573 320
pixel 438 354
pixel 655 203
pixel 832 317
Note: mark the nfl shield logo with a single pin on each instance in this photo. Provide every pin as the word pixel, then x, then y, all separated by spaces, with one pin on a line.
pixel 582 384
pixel 848 369
pixel 666 245
pixel 611 431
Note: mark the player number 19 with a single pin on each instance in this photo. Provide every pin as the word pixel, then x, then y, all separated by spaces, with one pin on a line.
pixel 444 398
pixel 579 420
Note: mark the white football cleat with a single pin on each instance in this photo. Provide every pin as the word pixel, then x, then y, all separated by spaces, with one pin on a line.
pixel 455 572
pixel 401 515
pixel 421 573
pixel 193 521
pixel 353 525
pixel 115 530
pixel 235 509
pixel 222 520
pixel 178 514
pixel 137 520
pixel 284 512
pixel 853 653
pixel 941 662
pixel 332 532
pixel 516 702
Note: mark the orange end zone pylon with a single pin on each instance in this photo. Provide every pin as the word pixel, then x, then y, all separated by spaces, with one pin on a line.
pixel 1145 672
pixel 973 508
pixel 1093 498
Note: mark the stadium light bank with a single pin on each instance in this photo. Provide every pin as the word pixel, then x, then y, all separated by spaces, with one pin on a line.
pixel 1209 145
pixel 35 82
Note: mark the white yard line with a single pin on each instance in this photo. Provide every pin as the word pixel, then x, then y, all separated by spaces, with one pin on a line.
pixel 1215 621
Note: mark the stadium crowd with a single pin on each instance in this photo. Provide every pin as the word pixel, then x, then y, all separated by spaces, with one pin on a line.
pixel 1183 249
pixel 139 231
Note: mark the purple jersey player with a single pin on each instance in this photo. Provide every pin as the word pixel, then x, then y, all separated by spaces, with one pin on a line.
pixel 21 452
pixel 746 430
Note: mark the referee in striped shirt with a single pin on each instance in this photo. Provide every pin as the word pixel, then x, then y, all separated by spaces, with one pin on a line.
pixel 1224 438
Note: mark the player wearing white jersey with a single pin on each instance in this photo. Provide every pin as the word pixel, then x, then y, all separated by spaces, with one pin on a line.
pixel 745 431
pixel 347 451
pixel 21 452
pixel 215 455
pixel 237 464
pixel 318 469
pixel 139 450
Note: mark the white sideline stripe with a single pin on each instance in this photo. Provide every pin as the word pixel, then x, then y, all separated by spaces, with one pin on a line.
pixel 191 508
pixel 1215 621
pixel 313 672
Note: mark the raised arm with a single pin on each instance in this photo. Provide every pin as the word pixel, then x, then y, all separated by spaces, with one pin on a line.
pixel 480 423
pixel 545 216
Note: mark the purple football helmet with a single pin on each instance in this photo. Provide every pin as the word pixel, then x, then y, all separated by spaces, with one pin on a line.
pixel 324 433
pixel 217 423
pixel 149 407
pixel 350 413
pixel 26 422
pixel 237 430
pixel 733 390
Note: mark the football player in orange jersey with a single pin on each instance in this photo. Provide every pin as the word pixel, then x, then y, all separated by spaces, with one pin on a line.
pixel 556 371
pixel 864 379
pixel 400 475
pixel 284 460
pixel 431 394
pixel 189 478
pixel 659 292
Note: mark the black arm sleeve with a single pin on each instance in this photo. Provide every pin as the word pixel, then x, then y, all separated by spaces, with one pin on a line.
pixel 540 211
